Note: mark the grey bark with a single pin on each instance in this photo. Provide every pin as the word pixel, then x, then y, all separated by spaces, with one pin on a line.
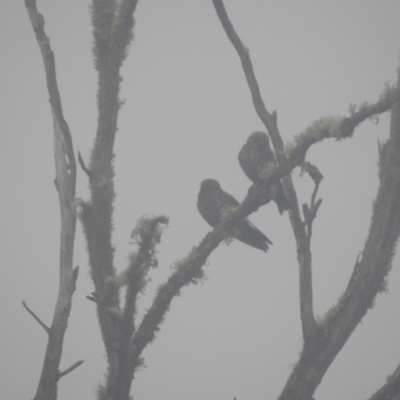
pixel 65 183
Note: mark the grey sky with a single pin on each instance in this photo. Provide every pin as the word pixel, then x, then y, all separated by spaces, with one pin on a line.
pixel 188 111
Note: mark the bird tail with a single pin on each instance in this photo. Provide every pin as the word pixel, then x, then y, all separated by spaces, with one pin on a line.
pixel 281 200
pixel 250 235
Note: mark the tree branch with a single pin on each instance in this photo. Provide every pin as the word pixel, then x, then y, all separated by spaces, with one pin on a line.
pixel 186 271
pixel 83 166
pixel 71 368
pixel 113 31
pixel 65 183
pixel 147 235
pixel 310 213
pixel 270 121
pixel 38 320
pixel 391 390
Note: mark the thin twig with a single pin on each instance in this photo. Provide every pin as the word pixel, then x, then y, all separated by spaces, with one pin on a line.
pixel 268 119
pixel 83 166
pixel 70 369
pixel 38 320
pixel 95 300
pixel 312 215
pixel 314 195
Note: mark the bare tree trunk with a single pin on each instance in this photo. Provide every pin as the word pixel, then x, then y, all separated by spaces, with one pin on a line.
pixel 65 184
pixel 113 30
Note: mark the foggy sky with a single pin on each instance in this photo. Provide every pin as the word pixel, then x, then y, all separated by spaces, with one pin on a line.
pixel 188 111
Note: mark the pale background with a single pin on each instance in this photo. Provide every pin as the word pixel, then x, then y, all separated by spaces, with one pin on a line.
pixel 187 113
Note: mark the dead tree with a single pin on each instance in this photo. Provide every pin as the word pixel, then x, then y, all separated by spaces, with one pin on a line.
pixel 65 182
pixel 124 336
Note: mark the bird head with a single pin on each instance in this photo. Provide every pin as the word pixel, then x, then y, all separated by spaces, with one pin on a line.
pixel 210 185
pixel 258 137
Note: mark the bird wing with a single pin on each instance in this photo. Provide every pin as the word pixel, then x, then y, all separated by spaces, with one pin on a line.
pixel 225 199
pixel 211 204
pixel 247 232
pixel 247 162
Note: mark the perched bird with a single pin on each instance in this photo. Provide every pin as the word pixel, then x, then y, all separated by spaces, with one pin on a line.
pixel 254 157
pixel 211 202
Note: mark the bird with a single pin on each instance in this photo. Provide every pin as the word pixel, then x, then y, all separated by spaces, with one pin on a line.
pixel 254 156
pixel 211 202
